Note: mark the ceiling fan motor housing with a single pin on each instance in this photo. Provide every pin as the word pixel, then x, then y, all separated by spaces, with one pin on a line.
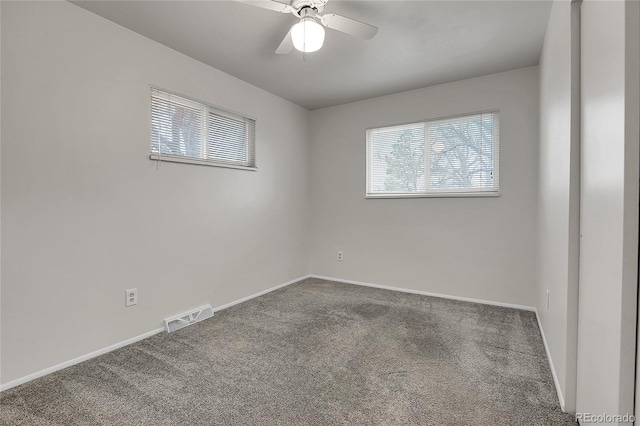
pixel 303 7
pixel 307 13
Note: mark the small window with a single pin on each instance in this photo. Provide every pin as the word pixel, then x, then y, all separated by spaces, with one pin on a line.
pixel 447 157
pixel 187 131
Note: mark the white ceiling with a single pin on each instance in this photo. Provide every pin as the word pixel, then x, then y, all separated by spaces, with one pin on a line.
pixel 420 43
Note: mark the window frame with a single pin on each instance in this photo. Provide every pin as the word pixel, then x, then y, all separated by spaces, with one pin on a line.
pixel 206 108
pixel 437 193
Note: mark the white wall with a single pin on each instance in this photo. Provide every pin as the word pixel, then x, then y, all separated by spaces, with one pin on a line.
pixel 609 207
pixel 558 198
pixel 87 215
pixel 481 248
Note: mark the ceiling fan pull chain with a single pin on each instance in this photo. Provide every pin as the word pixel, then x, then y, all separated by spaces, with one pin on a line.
pixel 304 49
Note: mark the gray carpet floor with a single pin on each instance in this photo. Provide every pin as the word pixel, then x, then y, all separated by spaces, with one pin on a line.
pixel 313 353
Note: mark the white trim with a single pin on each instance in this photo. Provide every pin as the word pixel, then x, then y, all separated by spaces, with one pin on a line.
pixel 468 299
pixel 200 162
pixel 126 342
pixel 77 360
pixel 556 382
pixel 449 194
pixel 269 290
pixel 426 293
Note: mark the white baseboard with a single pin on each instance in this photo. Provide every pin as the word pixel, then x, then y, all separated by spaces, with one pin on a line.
pixel 467 299
pixel 553 370
pixel 426 293
pixel 77 360
pixel 126 342
pixel 269 290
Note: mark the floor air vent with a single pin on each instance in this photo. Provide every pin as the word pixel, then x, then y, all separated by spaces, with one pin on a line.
pixel 188 318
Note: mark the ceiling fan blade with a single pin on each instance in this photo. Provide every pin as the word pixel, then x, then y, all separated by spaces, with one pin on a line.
pixel 349 26
pixel 275 5
pixel 286 46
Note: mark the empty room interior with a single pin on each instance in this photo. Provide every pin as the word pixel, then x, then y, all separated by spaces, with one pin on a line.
pixel 319 212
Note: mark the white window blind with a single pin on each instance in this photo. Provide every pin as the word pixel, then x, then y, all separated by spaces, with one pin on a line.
pixel 446 157
pixel 184 130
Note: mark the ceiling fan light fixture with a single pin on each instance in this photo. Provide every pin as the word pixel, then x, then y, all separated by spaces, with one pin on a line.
pixel 307 35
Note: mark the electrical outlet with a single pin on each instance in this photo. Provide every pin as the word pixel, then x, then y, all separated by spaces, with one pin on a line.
pixel 548 299
pixel 131 297
pixel 339 257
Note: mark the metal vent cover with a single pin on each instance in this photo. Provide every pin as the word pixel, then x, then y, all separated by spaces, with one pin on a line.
pixel 183 320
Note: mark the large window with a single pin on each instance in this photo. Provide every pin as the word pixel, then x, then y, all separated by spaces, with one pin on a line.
pixel 455 156
pixel 187 131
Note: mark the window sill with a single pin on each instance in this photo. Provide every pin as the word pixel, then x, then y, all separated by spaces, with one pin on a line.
pixel 437 195
pixel 173 159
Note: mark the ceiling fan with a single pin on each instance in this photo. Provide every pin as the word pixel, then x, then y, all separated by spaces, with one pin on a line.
pixel 308 35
